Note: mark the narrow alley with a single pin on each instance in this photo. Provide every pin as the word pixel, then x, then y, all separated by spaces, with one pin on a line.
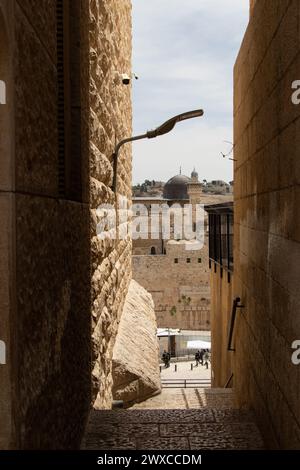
pixel 210 423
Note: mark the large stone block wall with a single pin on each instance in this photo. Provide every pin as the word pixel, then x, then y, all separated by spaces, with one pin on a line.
pixel 252 5
pixel 6 227
pixel 63 290
pixel 180 291
pixel 136 356
pixel 110 121
pixel 267 230
pixel 50 348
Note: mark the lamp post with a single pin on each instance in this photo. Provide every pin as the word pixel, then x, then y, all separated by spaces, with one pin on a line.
pixel 162 129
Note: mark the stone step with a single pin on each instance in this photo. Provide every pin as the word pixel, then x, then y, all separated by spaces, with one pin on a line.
pixel 173 429
pixel 188 398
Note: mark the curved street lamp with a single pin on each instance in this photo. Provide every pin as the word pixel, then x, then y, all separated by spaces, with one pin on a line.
pixel 163 129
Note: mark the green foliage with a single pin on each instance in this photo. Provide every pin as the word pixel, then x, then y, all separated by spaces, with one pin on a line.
pixel 173 311
pixel 186 300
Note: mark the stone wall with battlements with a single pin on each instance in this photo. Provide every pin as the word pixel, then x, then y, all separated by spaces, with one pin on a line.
pixel 179 284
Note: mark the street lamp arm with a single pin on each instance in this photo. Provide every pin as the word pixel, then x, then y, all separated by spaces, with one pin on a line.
pixel 161 130
pixel 129 139
pixel 116 154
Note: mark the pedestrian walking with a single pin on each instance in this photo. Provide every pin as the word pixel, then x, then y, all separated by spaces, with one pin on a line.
pixel 197 358
pixel 206 359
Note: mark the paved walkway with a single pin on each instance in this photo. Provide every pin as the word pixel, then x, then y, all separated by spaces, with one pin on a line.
pixel 188 398
pixel 184 371
pixel 214 425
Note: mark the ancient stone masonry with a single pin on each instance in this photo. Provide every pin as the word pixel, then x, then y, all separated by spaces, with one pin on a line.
pixel 110 121
pixel 267 230
pixel 136 357
pixel 179 284
pixel 252 5
pixel 63 115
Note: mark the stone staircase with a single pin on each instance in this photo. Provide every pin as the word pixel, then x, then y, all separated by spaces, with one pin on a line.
pixel 207 421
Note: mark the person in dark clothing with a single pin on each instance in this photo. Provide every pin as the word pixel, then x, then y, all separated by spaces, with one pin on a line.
pixel 166 358
pixel 206 358
pixel 197 358
pixel 201 354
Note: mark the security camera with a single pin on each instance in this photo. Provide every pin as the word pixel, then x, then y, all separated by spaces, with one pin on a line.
pixel 125 79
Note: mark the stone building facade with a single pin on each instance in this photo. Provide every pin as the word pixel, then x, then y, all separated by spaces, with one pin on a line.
pixel 266 233
pixel 175 272
pixel 221 264
pixel 266 229
pixel 64 112
pixel 179 284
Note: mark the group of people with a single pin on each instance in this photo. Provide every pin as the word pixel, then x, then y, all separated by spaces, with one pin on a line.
pixel 203 357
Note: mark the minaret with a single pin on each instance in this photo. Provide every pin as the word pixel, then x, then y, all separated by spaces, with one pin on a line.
pixel 194 192
pixel 194 188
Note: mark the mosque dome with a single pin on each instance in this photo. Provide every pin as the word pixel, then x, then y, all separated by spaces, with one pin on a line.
pixel 177 187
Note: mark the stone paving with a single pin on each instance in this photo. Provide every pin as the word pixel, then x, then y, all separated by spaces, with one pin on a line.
pixel 184 371
pixel 206 427
pixel 188 398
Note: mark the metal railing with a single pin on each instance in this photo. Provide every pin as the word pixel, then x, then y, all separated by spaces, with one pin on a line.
pixel 232 322
pixel 186 383
pixel 228 381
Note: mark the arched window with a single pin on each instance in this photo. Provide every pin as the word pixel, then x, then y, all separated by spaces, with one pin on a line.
pixel 153 250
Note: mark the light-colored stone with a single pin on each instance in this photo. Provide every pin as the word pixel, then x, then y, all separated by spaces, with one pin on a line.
pixel 110 122
pixel 179 284
pixel 136 357
pixel 62 289
pixel 266 235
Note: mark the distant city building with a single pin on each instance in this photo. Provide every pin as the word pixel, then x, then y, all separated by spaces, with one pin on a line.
pixel 175 271
pixel 176 187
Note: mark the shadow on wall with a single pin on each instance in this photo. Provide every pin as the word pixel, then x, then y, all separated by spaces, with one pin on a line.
pixel 44 239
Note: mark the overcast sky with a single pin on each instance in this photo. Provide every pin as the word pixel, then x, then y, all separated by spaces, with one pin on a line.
pixel 184 52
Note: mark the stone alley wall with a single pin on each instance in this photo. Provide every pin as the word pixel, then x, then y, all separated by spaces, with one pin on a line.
pixel 267 236
pixel 63 115
pixel 110 121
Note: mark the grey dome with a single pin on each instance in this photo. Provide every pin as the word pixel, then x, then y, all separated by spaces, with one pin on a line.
pixel 176 187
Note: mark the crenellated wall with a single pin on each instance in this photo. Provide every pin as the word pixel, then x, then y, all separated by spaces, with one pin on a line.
pixel 179 284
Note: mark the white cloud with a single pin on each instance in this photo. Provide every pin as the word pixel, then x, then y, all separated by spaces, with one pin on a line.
pixel 184 53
